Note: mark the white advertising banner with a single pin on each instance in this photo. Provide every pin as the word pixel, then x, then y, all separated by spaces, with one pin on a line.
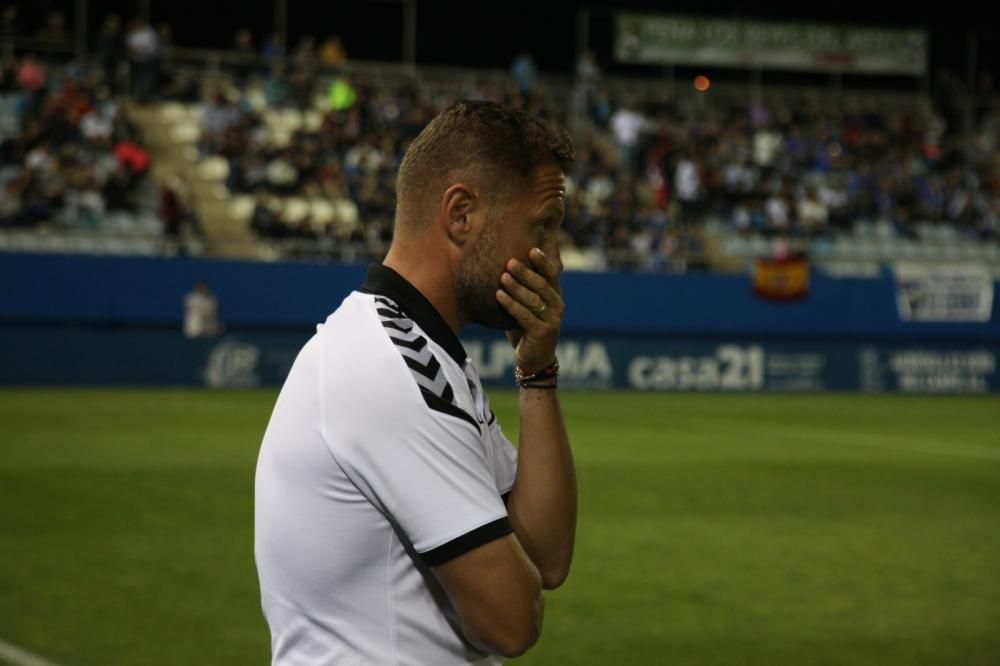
pixel 943 293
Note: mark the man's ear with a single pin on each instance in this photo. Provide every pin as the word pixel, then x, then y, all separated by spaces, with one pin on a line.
pixel 458 205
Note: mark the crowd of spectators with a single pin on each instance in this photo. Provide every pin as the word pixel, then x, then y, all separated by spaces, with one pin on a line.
pixel 73 158
pixel 770 167
pixel 651 169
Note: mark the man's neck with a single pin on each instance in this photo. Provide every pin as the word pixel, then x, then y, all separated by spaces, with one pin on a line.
pixel 431 279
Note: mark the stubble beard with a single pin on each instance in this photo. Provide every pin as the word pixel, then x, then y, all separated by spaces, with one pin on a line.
pixel 478 281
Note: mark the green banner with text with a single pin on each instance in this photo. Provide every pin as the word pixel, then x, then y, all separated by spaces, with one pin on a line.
pixel 684 40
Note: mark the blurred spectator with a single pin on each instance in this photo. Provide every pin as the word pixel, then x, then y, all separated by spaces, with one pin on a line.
pixel 144 50
pixel 12 211
pixel 811 212
pixel 305 52
pixel 201 312
pixel 342 94
pixel 217 118
pixel 264 221
pixel 688 188
pixel 627 125
pixel 276 87
pixel 272 51
pixel 524 73
pixel 176 212
pixel 282 175
pixel 947 92
pixel 301 85
pixel 132 157
pixel 585 86
pixel 778 212
pixel 331 53
pixel 245 57
pixel 111 50
pixel 118 189
pixel 31 78
pixel 84 203
pixel 54 29
pixel 695 249
pixel 587 70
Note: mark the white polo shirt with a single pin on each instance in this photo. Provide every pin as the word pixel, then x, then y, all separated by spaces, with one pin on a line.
pixel 382 458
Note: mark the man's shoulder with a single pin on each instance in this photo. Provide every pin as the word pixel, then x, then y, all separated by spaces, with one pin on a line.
pixel 353 341
pixel 375 352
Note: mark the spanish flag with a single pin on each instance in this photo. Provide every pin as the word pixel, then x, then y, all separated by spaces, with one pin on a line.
pixel 785 279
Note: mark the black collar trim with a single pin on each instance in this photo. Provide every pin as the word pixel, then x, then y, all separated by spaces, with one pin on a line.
pixel 384 281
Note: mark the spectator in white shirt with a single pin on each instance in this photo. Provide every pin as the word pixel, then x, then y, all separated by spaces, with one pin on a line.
pixel 201 312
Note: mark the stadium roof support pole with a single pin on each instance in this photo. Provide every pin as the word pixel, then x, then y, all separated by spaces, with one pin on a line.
pixel 410 32
pixel 582 32
pixel 80 28
pixel 281 24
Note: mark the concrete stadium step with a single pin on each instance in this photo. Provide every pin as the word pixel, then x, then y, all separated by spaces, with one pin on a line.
pixel 170 131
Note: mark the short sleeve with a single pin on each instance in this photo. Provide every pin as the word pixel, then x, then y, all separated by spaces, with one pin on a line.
pixel 431 473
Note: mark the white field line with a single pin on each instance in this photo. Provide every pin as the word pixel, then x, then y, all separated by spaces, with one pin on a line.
pixel 891 442
pixel 16 656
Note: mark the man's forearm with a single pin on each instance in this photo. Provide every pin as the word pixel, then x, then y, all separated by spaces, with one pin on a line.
pixel 542 504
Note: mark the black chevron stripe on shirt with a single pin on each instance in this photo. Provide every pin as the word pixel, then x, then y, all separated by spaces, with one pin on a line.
pixel 393 319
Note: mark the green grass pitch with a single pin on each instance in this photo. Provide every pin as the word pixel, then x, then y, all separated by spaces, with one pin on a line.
pixel 714 529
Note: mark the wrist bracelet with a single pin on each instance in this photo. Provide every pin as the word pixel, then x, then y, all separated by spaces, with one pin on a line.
pixel 523 379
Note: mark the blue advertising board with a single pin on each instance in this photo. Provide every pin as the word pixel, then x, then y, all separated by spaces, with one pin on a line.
pixel 45 355
pixel 690 364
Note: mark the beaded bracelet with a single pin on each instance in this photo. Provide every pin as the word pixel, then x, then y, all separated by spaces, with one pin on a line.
pixel 525 380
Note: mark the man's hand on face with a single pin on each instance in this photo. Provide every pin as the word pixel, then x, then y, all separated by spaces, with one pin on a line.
pixel 532 296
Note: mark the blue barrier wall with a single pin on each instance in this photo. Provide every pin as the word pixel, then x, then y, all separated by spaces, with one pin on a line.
pixel 114 321
pixel 133 291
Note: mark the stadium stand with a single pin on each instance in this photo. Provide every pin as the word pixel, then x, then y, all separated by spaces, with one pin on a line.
pixel 74 172
pixel 254 156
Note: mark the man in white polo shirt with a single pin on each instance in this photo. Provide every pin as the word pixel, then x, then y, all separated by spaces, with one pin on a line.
pixel 394 522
